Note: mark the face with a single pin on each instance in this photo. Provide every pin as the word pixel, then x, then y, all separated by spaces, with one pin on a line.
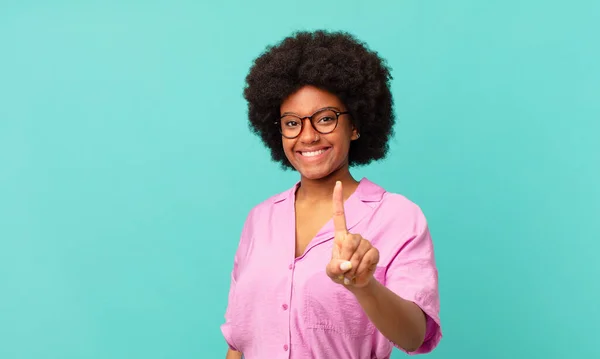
pixel 313 154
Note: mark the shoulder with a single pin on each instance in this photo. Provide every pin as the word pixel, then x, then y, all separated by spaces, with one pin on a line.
pixel 264 209
pixel 398 207
pixel 400 231
pixel 393 209
pixel 396 224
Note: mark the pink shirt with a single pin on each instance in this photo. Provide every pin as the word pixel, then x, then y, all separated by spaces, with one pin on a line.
pixel 286 307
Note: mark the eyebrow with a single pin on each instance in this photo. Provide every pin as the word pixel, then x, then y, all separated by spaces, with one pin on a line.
pixel 321 109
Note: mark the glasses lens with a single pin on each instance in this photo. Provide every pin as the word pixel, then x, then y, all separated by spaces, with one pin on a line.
pixel 325 121
pixel 290 126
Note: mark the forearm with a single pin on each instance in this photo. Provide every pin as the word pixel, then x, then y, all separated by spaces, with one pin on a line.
pixel 399 320
pixel 232 354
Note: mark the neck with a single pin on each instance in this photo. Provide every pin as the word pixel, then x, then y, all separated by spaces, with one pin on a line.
pixel 320 190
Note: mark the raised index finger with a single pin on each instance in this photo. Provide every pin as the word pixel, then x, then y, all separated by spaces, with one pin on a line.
pixel 339 217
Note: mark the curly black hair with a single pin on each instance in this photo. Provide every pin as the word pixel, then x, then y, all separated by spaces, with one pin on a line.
pixel 333 61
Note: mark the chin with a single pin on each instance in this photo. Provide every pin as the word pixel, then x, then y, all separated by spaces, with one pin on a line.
pixel 313 175
pixel 315 172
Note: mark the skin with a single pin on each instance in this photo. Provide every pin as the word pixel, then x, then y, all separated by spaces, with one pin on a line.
pixel 326 183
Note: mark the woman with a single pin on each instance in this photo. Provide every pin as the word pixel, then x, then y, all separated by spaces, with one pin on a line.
pixel 334 267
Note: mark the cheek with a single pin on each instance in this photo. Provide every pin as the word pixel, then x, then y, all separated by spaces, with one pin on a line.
pixel 343 144
pixel 288 146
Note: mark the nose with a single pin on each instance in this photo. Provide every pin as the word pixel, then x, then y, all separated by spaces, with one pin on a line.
pixel 308 133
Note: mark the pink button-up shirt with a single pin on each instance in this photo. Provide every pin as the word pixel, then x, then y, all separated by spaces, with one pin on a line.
pixel 286 307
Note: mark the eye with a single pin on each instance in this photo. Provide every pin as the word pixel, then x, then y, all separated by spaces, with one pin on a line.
pixel 327 119
pixel 290 123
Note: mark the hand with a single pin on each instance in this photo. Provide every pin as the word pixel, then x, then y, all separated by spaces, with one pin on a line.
pixel 354 259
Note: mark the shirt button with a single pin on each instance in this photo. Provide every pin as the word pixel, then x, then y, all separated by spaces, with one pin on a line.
pixel 285 347
pixel 290 267
pixel 284 306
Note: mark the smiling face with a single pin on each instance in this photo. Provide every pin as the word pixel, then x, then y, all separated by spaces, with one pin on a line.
pixel 315 155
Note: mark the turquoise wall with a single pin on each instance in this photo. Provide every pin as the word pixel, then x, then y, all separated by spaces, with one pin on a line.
pixel 127 168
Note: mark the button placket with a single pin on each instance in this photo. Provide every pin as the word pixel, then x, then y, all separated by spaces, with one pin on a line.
pixel 285 306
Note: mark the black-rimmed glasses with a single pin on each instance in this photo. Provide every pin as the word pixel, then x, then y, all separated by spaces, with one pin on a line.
pixel 323 121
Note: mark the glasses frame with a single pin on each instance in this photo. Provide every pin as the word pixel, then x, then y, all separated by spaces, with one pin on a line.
pixel 311 118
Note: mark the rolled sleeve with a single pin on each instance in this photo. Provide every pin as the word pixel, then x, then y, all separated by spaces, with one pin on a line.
pixel 413 275
pixel 227 327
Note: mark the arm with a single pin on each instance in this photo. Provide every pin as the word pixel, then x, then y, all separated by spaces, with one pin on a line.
pixel 405 306
pixel 399 320
pixel 232 354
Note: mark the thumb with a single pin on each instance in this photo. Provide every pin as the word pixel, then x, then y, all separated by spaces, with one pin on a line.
pixel 338 267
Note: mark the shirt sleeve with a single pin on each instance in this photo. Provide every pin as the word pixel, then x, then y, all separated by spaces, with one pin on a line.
pixel 412 274
pixel 227 326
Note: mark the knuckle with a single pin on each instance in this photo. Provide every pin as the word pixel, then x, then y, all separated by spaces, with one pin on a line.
pixel 375 252
pixel 356 238
pixel 350 246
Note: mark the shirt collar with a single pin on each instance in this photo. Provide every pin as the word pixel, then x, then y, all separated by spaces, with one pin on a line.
pixel 366 191
pixel 357 206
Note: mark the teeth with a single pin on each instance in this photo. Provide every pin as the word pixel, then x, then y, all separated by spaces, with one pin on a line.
pixel 313 153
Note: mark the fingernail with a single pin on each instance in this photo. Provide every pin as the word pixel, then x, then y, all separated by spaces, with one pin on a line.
pixel 346 281
pixel 345 266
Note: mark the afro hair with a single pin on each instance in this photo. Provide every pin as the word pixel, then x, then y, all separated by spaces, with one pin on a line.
pixel 335 62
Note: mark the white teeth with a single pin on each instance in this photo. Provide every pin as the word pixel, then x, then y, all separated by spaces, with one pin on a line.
pixel 313 153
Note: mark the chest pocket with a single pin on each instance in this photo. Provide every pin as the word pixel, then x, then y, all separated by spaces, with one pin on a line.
pixel 332 308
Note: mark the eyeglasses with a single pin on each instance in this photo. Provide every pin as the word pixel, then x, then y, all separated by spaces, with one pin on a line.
pixel 323 121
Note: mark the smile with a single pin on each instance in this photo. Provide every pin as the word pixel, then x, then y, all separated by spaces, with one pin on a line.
pixel 313 153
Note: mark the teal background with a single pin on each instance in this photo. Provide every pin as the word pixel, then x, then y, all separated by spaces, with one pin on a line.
pixel 127 168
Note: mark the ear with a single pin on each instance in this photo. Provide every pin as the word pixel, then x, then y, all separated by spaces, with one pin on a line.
pixel 355 135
